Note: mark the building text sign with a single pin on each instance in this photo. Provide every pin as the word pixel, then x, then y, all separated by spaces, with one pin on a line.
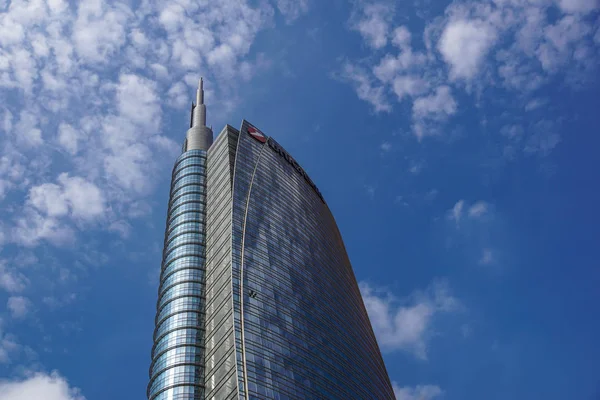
pixel 278 149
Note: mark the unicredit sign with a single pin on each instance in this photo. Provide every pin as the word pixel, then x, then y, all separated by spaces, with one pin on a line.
pixel 278 149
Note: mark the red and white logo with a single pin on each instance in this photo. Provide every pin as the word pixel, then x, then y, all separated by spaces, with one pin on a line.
pixel 256 134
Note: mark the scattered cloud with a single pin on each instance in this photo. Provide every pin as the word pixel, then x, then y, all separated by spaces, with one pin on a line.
pixel 72 196
pixel 478 209
pixel 11 280
pixel 51 206
pixel 438 105
pixel 456 212
pixel 31 227
pixel 512 47
pixel 435 107
pixel 370 191
pixel 401 37
pixel 478 232
pixel 39 386
pixel 431 195
pixel 385 146
pixel 542 142
pixel 407 325
pixel 466 330
pixel 292 9
pixel 54 302
pixel 578 6
pixel 18 306
pixel 373 23
pixel 421 392
pixel 487 257
pixel 417 198
pixel 8 348
pixel 123 228
pixel 69 138
pixel 85 82
pixel 366 88
pixel 27 130
pixel 401 200
pixel 416 167
pixel 463 46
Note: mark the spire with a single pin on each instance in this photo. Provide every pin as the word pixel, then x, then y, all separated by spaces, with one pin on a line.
pixel 199 136
pixel 200 92
pixel 199 111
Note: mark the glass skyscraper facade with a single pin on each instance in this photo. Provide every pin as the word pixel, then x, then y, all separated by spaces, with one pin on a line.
pixel 257 297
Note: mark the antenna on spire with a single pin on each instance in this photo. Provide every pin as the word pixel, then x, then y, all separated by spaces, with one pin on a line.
pixel 200 92
pixel 199 111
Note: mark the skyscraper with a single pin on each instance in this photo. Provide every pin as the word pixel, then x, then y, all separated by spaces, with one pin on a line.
pixel 257 297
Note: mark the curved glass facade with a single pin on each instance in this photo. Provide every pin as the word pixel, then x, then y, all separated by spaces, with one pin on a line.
pixel 257 297
pixel 176 371
pixel 304 332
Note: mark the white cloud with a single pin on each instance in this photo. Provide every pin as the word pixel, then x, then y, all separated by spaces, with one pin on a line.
pixel 27 130
pixel 8 347
pixel 7 121
pixel 542 141
pixel 88 77
pixel 39 386
pixel 24 69
pixel 466 330
pixel 49 199
pixel 160 71
pixel 535 104
pixel 473 47
pixel 373 24
pixel 516 74
pixel 129 167
pixel 99 30
pixel 456 212
pixel 409 86
pixel 441 104
pixel 487 257
pixel 18 306
pixel 137 101
pixel 178 95
pixel 121 227
pixel 69 138
pixel 385 146
pixel 478 232
pixel 421 392
pixel 578 6
pixel 221 55
pixel 401 37
pixel 407 61
pixel 72 196
pixel 10 280
pixel 31 227
pixel 365 88
pixel 407 326
pixel 415 167
pixel 475 211
pixel 292 9
pixel 560 40
pixel 464 44
pixel 478 209
pixel 84 198
pixel 5 185
pixel 11 32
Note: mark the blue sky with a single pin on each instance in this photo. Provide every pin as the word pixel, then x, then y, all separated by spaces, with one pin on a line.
pixel 455 143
